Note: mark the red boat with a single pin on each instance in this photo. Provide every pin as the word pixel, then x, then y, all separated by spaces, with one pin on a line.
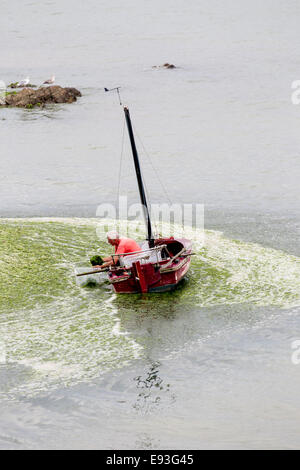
pixel 157 269
pixel 162 264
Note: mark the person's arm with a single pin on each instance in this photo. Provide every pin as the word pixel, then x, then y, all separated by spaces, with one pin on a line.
pixel 108 262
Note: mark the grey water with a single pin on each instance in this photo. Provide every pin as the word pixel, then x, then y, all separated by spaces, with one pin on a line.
pixel 221 129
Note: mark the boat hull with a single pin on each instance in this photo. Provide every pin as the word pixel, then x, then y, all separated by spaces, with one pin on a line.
pixel 151 278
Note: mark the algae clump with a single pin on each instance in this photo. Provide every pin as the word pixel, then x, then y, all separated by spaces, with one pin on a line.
pixel 96 260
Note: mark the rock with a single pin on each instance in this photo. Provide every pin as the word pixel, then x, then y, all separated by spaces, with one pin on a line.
pixel 164 66
pixel 28 98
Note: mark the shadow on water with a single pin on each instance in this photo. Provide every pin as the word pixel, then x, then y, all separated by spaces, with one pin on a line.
pixel 171 324
pixel 165 324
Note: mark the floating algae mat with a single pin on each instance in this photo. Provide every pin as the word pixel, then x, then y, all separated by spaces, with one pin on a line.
pixel 54 332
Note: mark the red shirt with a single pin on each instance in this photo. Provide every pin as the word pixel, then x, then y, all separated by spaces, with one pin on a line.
pixel 126 245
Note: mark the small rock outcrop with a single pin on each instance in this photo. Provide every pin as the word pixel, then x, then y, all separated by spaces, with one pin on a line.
pixel 28 98
pixel 169 66
pixel 165 66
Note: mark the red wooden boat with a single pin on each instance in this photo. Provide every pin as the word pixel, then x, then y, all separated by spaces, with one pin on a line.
pixel 162 264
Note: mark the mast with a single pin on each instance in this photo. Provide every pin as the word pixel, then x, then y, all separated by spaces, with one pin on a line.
pixel 139 178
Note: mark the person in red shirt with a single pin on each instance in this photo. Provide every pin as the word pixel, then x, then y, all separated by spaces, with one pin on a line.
pixel 122 245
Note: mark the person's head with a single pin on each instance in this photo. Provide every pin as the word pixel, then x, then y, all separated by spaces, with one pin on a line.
pixel 113 238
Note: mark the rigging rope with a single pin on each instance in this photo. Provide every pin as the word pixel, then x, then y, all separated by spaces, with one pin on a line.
pixel 158 178
pixel 153 167
pixel 120 166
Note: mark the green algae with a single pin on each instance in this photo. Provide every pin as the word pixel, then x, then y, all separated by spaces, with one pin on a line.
pixel 36 261
pixel 61 333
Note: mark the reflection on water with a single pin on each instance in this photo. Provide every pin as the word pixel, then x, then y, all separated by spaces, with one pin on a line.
pixel 146 442
pixel 152 390
pixel 50 111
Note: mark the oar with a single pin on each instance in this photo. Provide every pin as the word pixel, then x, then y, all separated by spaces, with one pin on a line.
pixel 93 272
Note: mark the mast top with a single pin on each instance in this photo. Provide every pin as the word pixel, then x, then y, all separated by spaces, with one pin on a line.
pixel 116 88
